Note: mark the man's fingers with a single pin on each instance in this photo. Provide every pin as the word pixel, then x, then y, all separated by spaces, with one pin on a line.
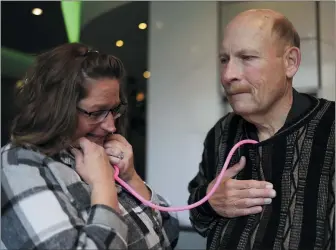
pixel 235 169
pixel 252 202
pixel 248 184
pixel 254 193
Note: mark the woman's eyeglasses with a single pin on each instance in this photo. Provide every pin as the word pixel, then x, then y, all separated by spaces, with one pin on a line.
pixel 100 115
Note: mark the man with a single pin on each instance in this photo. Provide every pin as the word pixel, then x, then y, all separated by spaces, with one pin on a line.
pixel 279 193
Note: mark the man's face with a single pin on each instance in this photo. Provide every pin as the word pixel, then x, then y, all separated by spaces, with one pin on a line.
pixel 252 69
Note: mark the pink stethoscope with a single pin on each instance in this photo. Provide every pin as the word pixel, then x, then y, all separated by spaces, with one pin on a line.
pixel 188 207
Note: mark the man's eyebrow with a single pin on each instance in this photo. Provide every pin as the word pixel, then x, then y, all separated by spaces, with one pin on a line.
pixel 240 52
pixel 247 52
pixel 223 54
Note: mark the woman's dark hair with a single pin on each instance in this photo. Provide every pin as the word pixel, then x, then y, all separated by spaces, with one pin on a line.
pixel 47 115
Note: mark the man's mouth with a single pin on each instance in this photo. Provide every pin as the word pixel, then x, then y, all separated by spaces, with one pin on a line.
pixel 237 92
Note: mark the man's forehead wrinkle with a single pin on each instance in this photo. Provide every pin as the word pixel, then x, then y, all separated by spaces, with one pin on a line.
pixel 256 25
pixel 258 14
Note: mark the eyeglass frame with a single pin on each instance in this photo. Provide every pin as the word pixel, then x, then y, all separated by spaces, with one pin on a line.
pixel 112 110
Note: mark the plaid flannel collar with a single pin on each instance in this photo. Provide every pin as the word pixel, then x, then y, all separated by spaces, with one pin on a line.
pixel 68 159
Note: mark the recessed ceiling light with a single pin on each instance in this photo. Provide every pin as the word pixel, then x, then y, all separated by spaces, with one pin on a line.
pixel 146 74
pixel 140 97
pixel 119 43
pixel 142 26
pixel 37 11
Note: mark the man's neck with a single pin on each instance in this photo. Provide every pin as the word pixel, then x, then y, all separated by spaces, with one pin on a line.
pixel 269 123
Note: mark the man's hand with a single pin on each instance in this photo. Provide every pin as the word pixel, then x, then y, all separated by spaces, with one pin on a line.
pixel 235 198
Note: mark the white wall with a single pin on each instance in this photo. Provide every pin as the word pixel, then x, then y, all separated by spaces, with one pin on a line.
pixel 183 97
pixel 327 27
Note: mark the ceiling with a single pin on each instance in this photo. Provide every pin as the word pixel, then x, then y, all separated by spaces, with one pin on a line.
pixel 30 34
pixel 24 32
pixel 122 23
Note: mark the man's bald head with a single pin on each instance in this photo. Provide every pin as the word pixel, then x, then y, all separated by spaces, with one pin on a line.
pixel 272 23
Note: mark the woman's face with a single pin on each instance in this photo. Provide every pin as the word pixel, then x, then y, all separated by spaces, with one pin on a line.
pixel 102 95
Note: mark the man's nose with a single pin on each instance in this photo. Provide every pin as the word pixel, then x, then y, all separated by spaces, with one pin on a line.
pixel 230 72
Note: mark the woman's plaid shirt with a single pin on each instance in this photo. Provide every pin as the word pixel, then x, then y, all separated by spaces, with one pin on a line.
pixel 46 205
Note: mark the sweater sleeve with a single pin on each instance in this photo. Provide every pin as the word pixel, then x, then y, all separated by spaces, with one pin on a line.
pixel 330 220
pixel 203 217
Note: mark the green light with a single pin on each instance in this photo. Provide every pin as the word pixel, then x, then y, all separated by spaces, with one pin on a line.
pixel 72 15
pixel 15 63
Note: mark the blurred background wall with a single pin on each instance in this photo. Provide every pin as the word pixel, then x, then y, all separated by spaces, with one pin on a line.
pixel 170 51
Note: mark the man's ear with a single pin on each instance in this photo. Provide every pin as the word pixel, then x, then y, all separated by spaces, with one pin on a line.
pixel 292 60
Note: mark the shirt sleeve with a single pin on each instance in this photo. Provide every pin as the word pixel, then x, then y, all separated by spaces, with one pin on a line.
pixel 37 214
pixel 168 220
pixel 203 217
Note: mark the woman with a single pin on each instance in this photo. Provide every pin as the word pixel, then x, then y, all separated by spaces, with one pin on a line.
pixel 58 190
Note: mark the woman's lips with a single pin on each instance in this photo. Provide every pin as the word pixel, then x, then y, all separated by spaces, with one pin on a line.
pixel 96 136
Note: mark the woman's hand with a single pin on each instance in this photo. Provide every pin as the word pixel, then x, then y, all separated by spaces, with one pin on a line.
pixel 92 163
pixel 120 153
